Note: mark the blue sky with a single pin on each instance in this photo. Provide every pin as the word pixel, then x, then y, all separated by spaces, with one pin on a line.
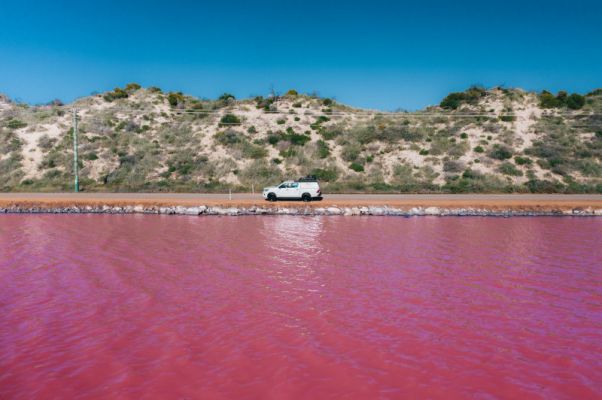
pixel 376 54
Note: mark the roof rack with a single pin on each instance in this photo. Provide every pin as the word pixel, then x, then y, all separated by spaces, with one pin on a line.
pixel 308 178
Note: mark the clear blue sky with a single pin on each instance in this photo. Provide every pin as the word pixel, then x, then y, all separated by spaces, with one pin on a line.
pixel 377 54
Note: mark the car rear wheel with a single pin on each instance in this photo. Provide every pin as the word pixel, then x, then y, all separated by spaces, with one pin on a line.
pixel 271 197
pixel 306 197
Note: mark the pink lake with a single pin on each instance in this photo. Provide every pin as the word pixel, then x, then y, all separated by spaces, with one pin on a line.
pixel 285 307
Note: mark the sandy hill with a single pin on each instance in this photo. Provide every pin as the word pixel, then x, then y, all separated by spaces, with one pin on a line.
pixel 142 139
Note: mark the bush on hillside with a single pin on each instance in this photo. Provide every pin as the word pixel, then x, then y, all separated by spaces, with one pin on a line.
pixel 596 92
pixel 574 101
pixel 507 168
pixel 453 166
pixel 229 119
pixel 357 167
pixel 470 96
pixel 323 149
pixel 500 152
pixel 132 87
pixel 117 93
pixel 16 124
pixel 520 160
pixel 326 174
pixel 175 99
pixel 229 137
pixel 226 97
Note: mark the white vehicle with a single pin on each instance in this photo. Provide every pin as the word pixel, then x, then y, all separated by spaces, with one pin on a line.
pixel 306 189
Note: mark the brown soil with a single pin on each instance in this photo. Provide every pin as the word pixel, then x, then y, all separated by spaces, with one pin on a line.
pixel 491 202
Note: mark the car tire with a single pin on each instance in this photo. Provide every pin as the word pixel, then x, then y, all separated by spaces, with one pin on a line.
pixel 272 197
pixel 306 197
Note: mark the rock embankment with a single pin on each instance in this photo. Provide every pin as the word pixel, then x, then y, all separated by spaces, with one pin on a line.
pixel 302 210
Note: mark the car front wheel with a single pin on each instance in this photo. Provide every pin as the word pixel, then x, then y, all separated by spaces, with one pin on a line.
pixel 271 197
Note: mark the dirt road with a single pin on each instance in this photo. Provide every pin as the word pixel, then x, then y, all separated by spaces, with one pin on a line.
pixel 491 201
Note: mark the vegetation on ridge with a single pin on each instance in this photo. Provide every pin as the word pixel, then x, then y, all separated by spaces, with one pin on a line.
pixel 142 139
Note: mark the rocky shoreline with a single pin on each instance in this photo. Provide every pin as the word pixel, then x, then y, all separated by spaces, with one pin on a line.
pixel 301 210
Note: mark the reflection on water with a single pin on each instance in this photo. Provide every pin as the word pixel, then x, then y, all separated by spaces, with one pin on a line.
pixel 101 306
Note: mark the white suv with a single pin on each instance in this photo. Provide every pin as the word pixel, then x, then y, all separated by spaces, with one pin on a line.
pixel 306 189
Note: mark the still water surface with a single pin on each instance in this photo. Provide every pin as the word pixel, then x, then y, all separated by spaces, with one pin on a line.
pixel 163 307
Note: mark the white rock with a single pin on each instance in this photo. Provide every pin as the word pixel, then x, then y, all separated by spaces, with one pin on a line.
pixel 432 211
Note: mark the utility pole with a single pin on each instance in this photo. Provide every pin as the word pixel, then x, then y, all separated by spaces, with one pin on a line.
pixel 75 166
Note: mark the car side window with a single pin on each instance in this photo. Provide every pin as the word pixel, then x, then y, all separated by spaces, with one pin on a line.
pixel 283 186
pixel 294 185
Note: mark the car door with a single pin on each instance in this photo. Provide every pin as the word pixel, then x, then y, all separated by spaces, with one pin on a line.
pixel 284 190
pixel 294 190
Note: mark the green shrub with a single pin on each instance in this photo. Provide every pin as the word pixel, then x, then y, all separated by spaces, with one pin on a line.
pixel 15 124
pixel 325 174
pixel 424 152
pixel 297 119
pixel 453 166
pixel 288 153
pixel 117 93
pixel 91 156
pixel 297 104
pixel 544 186
pixel 507 168
pixel 500 152
pixel 175 99
pixel 281 121
pixel 351 152
pixel 507 118
pixel 479 149
pixel 226 97
pixel 296 139
pixel 229 137
pixel 575 101
pixel 250 150
pixel 323 150
pixel 330 133
pixel 292 92
pixel 276 161
pixel 548 100
pixel 327 102
pixel 229 119
pixel 464 135
pixel 252 130
pixel 596 92
pixel 470 96
pixel 356 167
pixel 132 87
pixel 599 134
pixel 520 160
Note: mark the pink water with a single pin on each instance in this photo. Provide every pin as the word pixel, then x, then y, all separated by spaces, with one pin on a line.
pixel 164 307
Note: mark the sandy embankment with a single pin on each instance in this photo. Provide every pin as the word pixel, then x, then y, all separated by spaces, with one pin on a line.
pixel 345 204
